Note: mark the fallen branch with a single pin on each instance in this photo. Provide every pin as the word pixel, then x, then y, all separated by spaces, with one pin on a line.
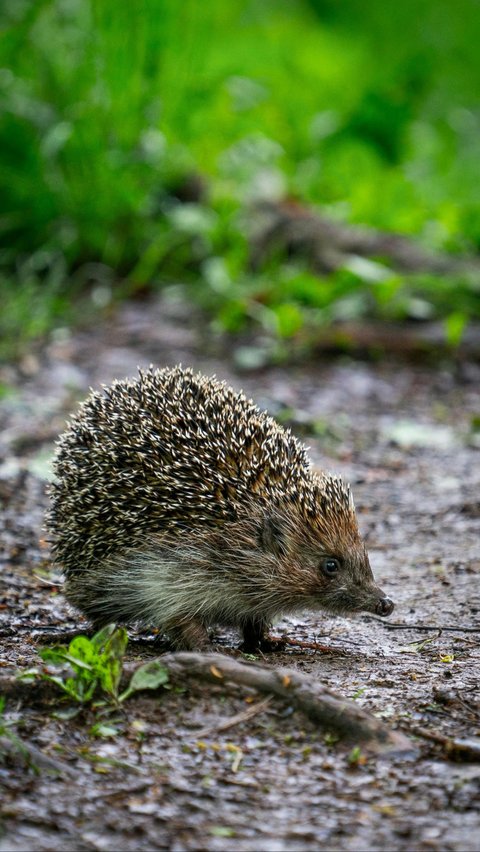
pixel 397 625
pixel 309 646
pixel 458 749
pixel 311 697
pixel 244 716
pixel 327 245
pixel 31 755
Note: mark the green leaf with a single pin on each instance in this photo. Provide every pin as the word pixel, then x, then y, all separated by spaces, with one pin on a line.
pixel 222 831
pixel 67 713
pixel 77 662
pixel 356 756
pixel 110 662
pixel 289 319
pixel 28 675
pixel 82 648
pixel 454 327
pixel 54 655
pixel 415 647
pixel 368 270
pixel 359 692
pixel 102 730
pixel 92 663
pixel 149 676
pixel 232 316
pixel 67 686
pixel 103 635
pixel 117 643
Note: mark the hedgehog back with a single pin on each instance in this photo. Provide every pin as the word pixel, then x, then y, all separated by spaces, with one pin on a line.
pixel 167 452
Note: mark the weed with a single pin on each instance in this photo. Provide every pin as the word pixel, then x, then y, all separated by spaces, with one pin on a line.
pixel 356 757
pixel 8 734
pixel 89 667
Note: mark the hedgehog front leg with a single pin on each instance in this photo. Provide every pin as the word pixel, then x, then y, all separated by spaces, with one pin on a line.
pixel 189 635
pixel 254 630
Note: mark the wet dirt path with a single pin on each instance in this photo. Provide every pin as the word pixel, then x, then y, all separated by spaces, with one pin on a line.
pixel 406 437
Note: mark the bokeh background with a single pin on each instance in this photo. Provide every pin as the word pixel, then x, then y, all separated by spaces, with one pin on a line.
pixel 137 140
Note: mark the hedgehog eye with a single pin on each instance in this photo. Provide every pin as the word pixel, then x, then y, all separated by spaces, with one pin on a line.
pixel 329 566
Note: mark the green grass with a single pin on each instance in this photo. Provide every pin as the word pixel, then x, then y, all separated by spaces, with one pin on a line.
pixel 367 110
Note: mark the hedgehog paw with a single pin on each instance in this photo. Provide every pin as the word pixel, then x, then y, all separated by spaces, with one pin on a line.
pixel 254 638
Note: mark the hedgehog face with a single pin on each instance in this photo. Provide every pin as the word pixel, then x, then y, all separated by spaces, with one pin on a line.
pixel 346 584
pixel 324 562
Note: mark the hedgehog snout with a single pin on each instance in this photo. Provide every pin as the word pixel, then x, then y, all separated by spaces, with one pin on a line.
pixel 378 602
pixel 384 607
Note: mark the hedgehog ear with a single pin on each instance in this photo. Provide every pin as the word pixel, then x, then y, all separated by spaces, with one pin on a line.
pixel 271 535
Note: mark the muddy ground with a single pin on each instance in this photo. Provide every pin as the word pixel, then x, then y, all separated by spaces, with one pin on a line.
pixel 407 438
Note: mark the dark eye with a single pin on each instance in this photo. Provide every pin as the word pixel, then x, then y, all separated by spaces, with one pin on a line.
pixel 330 566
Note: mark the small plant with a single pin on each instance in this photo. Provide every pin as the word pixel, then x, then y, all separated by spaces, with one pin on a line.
pixel 3 721
pixel 6 732
pixel 359 692
pixel 356 757
pixel 89 666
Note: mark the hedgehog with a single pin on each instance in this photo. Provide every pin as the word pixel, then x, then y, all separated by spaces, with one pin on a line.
pixel 177 503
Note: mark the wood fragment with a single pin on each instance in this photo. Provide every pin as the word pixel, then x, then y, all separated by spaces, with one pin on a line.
pixel 327 245
pixel 309 646
pixel 243 716
pixel 454 747
pixel 307 695
pixel 397 625
pixel 31 755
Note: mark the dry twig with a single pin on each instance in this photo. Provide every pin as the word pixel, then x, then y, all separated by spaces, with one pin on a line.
pixel 311 697
pixel 243 716
pixel 310 646
pixel 397 625
pixel 28 753
pixel 457 749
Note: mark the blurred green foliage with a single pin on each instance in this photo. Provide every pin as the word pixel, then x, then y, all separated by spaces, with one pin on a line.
pixel 369 110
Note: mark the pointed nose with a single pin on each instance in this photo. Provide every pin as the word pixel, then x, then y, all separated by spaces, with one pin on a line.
pixel 384 607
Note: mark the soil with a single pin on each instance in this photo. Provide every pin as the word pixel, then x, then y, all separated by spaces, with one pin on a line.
pixel 406 436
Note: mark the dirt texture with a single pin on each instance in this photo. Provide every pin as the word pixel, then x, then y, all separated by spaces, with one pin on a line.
pixel 173 777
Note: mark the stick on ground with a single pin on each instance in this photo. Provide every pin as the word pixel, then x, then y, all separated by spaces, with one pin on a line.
pixel 310 696
pixel 398 625
pixel 31 755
